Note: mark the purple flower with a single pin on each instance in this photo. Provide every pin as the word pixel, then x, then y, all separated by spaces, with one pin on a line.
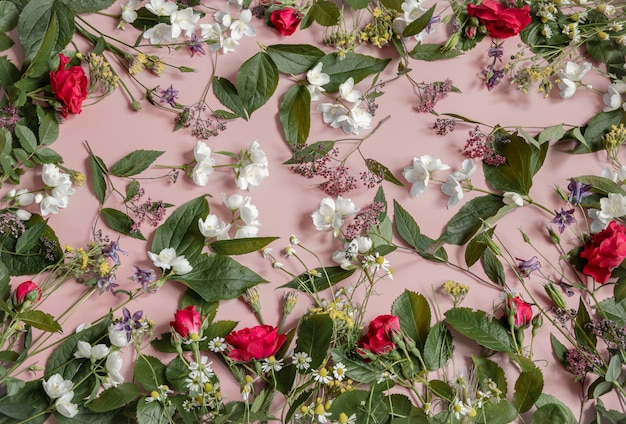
pixel 496 51
pixel 493 76
pixel 563 219
pixel 525 268
pixel 169 95
pixel 111 250
pixel 433 20
pixel 195 46
pixel 577 191
pixel 129 323
pixel 143 277
pixel 107 283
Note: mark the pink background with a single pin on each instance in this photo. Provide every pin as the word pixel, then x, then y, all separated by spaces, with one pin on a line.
pixel 286 200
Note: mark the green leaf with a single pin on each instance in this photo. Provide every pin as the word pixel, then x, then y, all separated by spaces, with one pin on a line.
pixel 135 162
pixel 150 372
pixel 564 411
pixel 6 42
pixel 477 245
pixel 98 181
pixel 294 58
pixel 177 372
pixel 584 334
pixel 558 349
pixel 314 335
pixel 528 388
pixel 469 219
pixel 120 222
pixel 114 398
pixel 419 24
pixel 30 238
pixel 596 128
pixel 477 326
pixel 41 320
pixel 410 232
pixel 441 389
pixel 502 412
pixel 554 132
pixel 8 75
pixel 432 52
pixel 438 347
pixel 619 291
pixel 551 414
pixel 393 4
pixel 88 6
pixel 516 174
pixel 379 169
pixel 27 138
pixel 226 93
pixel 493 267
pixel 180 230
pixel 414 313
pixel 33 24
pixel 218 277
pixel 320 279
pixel 9 14
pixel 28 402
pixel 48 129
pixel 358 4
pixel 368 409
pixel 257 79
pixel 601 185
pixel 311 152
pixel 325 13
pixel 353 65
pixel 614 369
pixel 154 412
pixel 295 115
pixel 47 155
pixel 356 369
pixel 615 311
pixel 487 370
pixel 241 246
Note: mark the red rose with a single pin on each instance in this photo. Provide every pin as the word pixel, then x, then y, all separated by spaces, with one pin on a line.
pixel 605 251
pixel 69 86
pixel 379 333
pixel 522 311
pixel 285 20
pixel 187 322
pixel 26 294
pixel 257 342
pixel 500 21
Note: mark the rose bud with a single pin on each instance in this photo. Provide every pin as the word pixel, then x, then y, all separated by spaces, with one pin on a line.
pixel 188 324
pixel 26 294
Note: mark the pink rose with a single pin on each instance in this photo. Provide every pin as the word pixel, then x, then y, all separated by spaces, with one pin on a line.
pixel 379 334
pixel 27 294
pixel 522 311
pixel 257 342
pixel 605 251
pixel 69 86
pixel 187 323
pixel 500 21
pixel 285 20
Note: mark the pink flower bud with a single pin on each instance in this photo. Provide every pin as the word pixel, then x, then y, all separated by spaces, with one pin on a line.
pixel 27 293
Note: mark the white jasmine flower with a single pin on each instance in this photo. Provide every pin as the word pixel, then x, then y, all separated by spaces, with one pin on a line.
pixel 83 326
pixel 48 205
pixel 62 192
pixel 22 197
pixel 419 173
pixel 454 190
pixel 229 45
pixel 213 34
pixel 85 350
pixel 575 72
pixel 331 111
pixel 234 201
pixel 301 360
pixel 364 244
pixel 167 259
pixel 411 11
pixel 618 176
pixel 113 366
pixel 356 120
pixel 65 407
pixel 23 215
pixel 249 213
pixel 129 12
pixel 346 257
pixel 211 227
pixel 253 167
pixel 347 91
pixel 159 34
pixel 511 198
pixel 247 231
pixel 181 266
pixel 118 338
pixel 183 20
pixel 613 98
pixel 162 7
pixel 201 172
pixel 567 87
pixel 316 79
pixel 331 213
pixel 242 26
pixel 52 176
pixel 468 168
pixel 56 386
pixel 611 207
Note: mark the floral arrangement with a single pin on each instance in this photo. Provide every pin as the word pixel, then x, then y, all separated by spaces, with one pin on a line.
pixel 327 359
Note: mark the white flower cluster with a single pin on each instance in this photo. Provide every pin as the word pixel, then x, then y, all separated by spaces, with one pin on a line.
pixel 570 78
pixel 613 97
pixel 241 209
pixel 204 164
pixel 252 167
pixel 55 195
pixel 352 120
pixel 419 173
pixel 168 259
pixel 56 387
pixel 226 32
pixel 611 207
pixel 411 10
pixel 331 214
pixel 348 257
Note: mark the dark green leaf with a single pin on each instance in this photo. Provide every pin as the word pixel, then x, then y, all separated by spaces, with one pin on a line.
pixel 48 129
pixel 27 138
pixel 353 65
pixel 584 334
pixel 476 246
pixel 150 372
pixel 295 115
pixel 441 389
pixel 410 232
pixel 314 335
pixel 477 326
pixel 528 387
pixel 41 320
pixel 114 398
pixel 558 349
pixel 177 372
pixel 294 58
pixel 226 93
pixel 134 163
pixel 33 24
pixel 551 414
pixel 493 267
pixel 601 185
pixel 132 190
pixel 619 291
pixel 393 4
pixel 120 222
pixel 502 412
pixel 546 399
pixel 438 347
pixel 358 4
pixel 432 52
pixel 368 409
pixel 5 42
pixel 218 277
pixel 97 178
pixel 469 219
pixel 311 152
pixel 486 370
pixel 257 79
pixel 8 16
pixel 325 13
pixel 414 314
pixel 28 402
pixel 30 238
pixel 419 24
pixel 381 170
pixel 8 75
pixel 47 155
pixel 516 174
pixel 241 246
pixel 596 128
pixel 154 412
pixel 207 310
pixel 318 280
pixel 356 369
pixel 88 6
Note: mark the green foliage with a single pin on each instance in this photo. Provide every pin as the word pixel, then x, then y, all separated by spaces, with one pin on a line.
pixel 414 314
pixel 368 408
pixel 150 372
pixel 241 246
pixel 34 21
pixel 357 66
pixel 294 59
pixel 469 219
pixel 318 279
pixel 438 349
pixel 134 163
pixel 326 13
pixel 28 402
pixel 477 326
pixel 120 222
pixel 227 93
pixel 410 232
pixel 432 52
pixel 295 115
pixel 257 79
pixel 314 336
pixel 419 24
pixel 114 398
pixel 528 387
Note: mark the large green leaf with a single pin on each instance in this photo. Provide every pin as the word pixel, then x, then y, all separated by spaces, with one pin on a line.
pixel 257 79
pixel 227 93
pixel 217 277
pixel 601 185
pixel 314 335
pixel 27 403
pixel 98 182
pixel 477 326
pixel 33 24
pixel 353 65
pixel 469 219
pixel 9 14
pixel 438 347
pixel 414 314
pixel 410 232
pixel 41 320
pixel 295 115
pixel 241 246
pixel 319 279
pixel 562 412
pixel 528 388
pixel 325 13
pixel 88 6
pixel 134 162
pixel 369 408
pixel 114 397
pixel 294 58
pixel 516 174
pixel 356 369
pixel 432 52
pixel 486 370
pixel 120 222
pixel 150 372
pixel 180 230
pixel 595 129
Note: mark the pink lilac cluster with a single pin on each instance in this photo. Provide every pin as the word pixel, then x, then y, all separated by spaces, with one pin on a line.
pixel 367 218
pixel 431 93
pixel 338 179
pixel 152 212
pixel 374 175
pixel 444 126
pixel 480 145
pixel 9 117
pixel 580 364
pixel 11 225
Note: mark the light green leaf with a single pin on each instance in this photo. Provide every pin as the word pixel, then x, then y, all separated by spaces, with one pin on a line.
pixel 615 311
pixel 27 138
pixel 554 132
pixel 432 52
pixel 34 21
pixel 410 232
pixel 546 399
pixel 619 290
pixel 154 412
pixel 114 398
pixel 601 185
pixel 469 219
pixel 120 222
pixel 294 58
pixel 241 246
pixel 486 370
pixel 31 400
pixel 226 93
pixel 614 369
pixel 353 65
pixel 30 238
pixel 9 14
pixel 48 129
pixel 493 267
pixel 257 79
pixel 325 13
pixel 177 372
pixel 47 155
pixel 414 313
pixel 319 279
pixel 368 409
pixel 295 115
pixel 551 413
pixel 477 326
pixel 134 162
pixel 88 6
pixel 502 412
pixel 40 320
pixel 98 181
pixel 528 388
pixel 150 372
pixel 217 277
pixel 314 335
